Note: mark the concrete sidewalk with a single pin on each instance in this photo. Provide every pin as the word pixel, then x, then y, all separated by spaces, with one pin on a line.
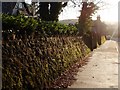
pixel 101 70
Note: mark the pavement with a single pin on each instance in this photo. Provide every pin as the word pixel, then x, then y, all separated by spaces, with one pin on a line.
pixel 101 70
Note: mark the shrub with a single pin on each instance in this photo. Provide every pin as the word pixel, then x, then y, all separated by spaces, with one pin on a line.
pixel 21 25
pixel 36 61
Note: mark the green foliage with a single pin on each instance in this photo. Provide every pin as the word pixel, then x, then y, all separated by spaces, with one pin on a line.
pixel 21 25
pixel 54 28
pixel 18 24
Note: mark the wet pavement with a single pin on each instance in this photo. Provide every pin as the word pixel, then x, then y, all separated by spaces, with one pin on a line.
pixel 101 70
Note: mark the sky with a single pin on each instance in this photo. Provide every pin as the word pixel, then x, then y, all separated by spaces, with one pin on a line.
pixel 109 13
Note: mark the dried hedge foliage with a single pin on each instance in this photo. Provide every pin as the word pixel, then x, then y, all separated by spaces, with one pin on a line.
pixel 35 63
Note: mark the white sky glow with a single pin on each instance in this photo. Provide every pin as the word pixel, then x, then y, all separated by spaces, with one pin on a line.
pixel 28 1
pixel 108 14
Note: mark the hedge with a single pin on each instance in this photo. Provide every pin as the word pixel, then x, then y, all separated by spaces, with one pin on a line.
pixel 40 52
pixel 21 25
pixel 35 63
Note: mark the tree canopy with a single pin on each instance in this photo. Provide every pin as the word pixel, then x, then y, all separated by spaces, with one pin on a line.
pixel 85 19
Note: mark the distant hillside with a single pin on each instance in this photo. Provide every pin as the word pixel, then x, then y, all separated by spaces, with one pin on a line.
pixel 69 21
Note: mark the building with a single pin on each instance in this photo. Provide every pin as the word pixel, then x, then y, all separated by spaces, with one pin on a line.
pixel 14 8
pixel 7 7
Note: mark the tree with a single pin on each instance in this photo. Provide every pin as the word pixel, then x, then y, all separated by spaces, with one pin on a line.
pixel 49 11
pixel 85 19
pixel 87 9
pixel 85 23
pixel 44 11
pixel 55 10
pixel 26 8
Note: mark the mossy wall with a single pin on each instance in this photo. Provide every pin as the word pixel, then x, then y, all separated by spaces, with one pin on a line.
pixel 36 62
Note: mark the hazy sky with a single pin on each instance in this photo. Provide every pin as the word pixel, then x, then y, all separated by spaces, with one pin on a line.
pixel 109 13
pixel 28 1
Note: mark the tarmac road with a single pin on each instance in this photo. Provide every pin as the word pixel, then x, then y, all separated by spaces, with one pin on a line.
pixel 101 70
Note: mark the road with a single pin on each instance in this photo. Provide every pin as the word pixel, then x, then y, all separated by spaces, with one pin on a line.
pixel 101 70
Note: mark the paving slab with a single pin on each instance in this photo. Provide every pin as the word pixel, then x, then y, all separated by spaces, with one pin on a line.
pixel 101 70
